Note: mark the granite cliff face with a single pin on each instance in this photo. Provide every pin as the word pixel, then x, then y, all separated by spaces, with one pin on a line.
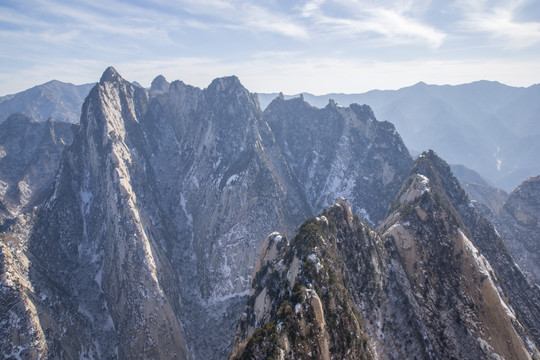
pixel 338 151
pixel 140 233
pixel 145 245
pixel 93 273
pixel 477 277
pixel 489 242
pixel 417 287
pixel 519 224
pixel 515 216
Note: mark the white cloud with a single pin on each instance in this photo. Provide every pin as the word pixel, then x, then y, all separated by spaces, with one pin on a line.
pixel 259 18
pixel 396 24
pixel 318 46
pixel 501 23
pixel 242 15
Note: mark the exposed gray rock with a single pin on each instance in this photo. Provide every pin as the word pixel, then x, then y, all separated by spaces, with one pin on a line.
pixel 337 151
pixel 522 297
pixel 487 126
pixel 146 243
pixel 417 287
pixel 159 85
pixel 519 224
pixel 30 154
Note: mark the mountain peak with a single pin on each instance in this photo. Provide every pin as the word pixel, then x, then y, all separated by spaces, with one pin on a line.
pixel 430 165
pixel 346 206
pixel 110 75
pixel 331 104
pixel 431 158
pixel 226 84
pixel 159 85
pixel 230 90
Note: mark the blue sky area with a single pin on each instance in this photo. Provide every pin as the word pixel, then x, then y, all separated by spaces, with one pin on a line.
pixel 317 46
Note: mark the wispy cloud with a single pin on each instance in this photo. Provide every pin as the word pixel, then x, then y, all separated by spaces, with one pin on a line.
pixel 395 24
pixel 501 22
pixel 241 15
pixel 259 18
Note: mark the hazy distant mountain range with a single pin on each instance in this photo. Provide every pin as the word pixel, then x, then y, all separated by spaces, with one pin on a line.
pixel 55 99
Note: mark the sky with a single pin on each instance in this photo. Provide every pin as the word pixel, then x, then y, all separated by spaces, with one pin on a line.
pixel 316 46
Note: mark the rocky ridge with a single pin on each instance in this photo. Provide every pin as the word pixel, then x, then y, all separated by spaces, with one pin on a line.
pixel 337 151
pixel 146 244
pixel 485 125
pixel 418 286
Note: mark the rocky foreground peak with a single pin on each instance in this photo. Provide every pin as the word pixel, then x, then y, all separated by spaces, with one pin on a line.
pixel 417 287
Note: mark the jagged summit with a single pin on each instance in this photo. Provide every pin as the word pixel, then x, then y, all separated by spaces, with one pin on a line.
pixel 341 290
pixel 432 174
pixel 300 304
pixel 159 85
pixel 342 152
pixel 439 172
pixel 431 233
pixel 331 104
pixel 280 102
pixel 346 206
pixel 110 75
pixel 225 91
pixel 226 83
